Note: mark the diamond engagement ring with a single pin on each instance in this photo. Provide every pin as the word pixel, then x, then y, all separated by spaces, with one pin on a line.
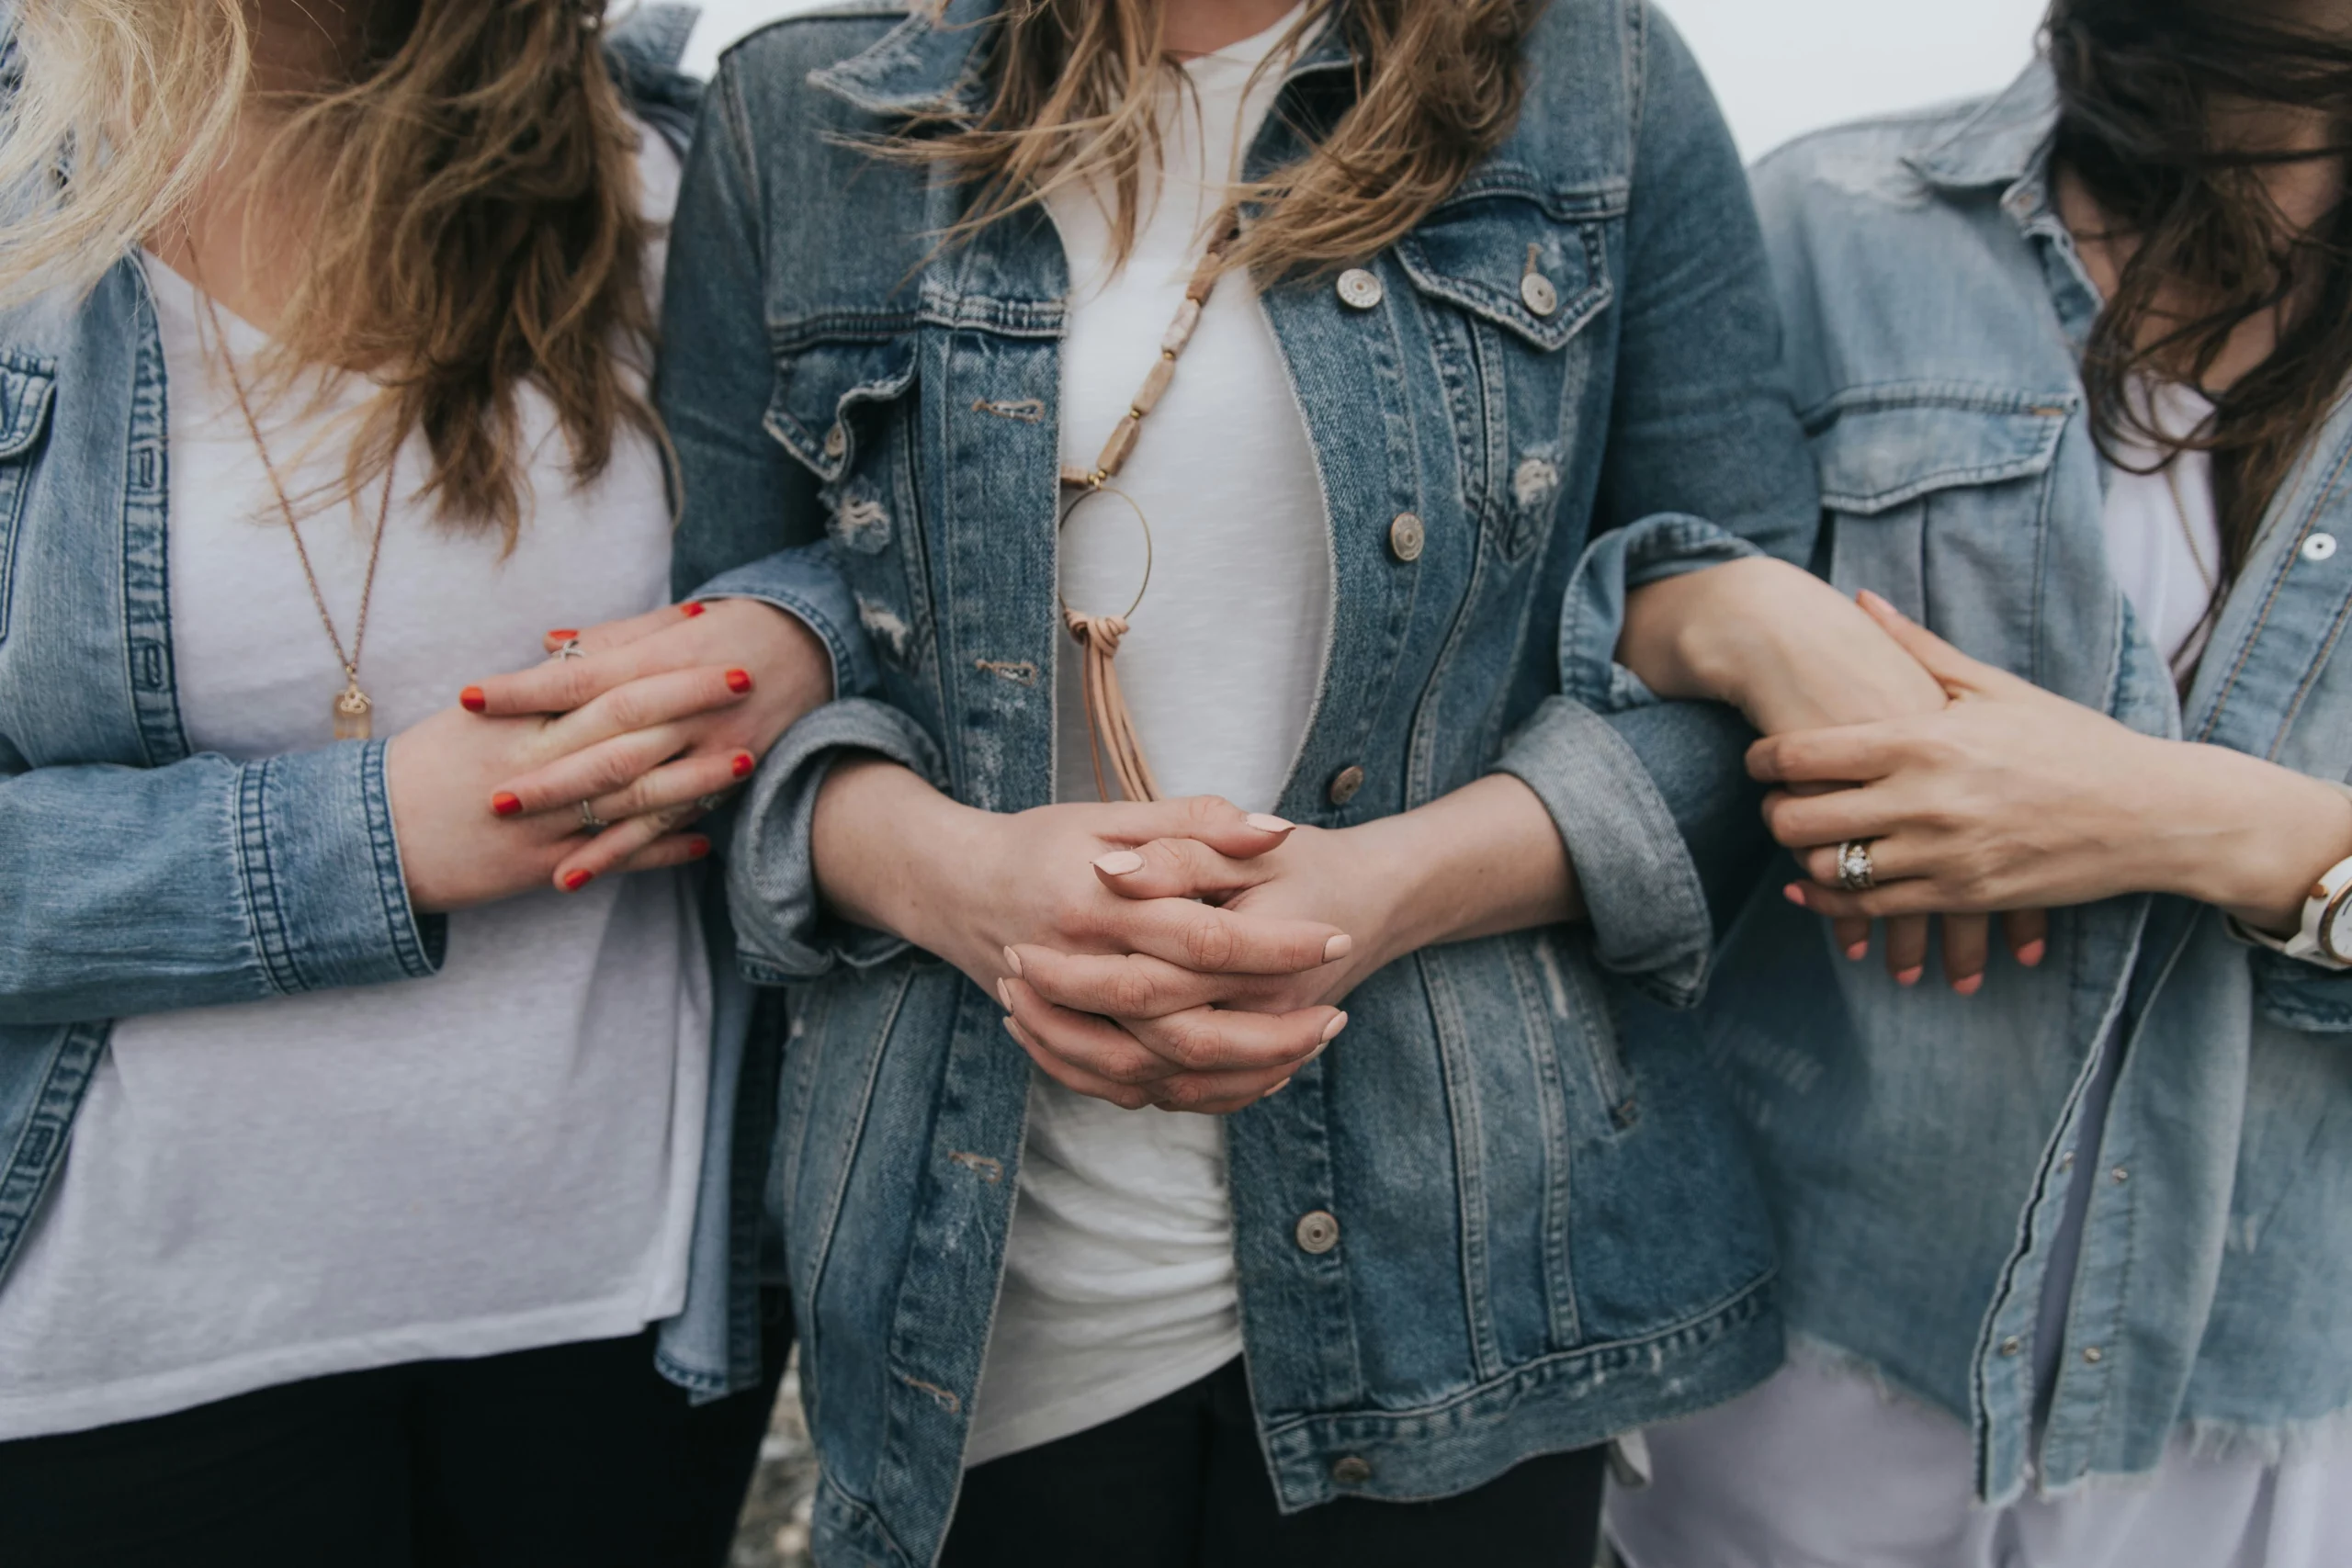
pixel 589 821
pixel 1855 873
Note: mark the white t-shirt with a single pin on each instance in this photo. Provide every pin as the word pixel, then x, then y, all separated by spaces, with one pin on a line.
pixel 1820 1467
pixel 1119 1273
pixel 498 1157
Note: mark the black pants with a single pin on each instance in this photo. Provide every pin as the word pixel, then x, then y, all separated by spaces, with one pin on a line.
pixel 578 1456
pixel 1181 1484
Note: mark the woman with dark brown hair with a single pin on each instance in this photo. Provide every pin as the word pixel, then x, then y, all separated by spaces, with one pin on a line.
pixel 2066 1262
pixel 365 1152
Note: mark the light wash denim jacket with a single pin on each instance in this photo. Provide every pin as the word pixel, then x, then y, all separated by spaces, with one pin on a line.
pixel 1920 1146
pixel 136 877
pixel 1547 1233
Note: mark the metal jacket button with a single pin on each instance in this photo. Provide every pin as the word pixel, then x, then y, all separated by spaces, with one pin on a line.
pixel 2318 547
pixel 2092 1354
pixel 1537 291
pixel 1345 783
pixel 2012 1345
pixel 1358 290
pixel 836 441
pixel 1350 1471
pixel 1405 536
pixel 1318 1231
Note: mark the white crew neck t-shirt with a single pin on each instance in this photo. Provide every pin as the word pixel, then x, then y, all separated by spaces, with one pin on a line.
pixel 498 1157
pixel 1119 1273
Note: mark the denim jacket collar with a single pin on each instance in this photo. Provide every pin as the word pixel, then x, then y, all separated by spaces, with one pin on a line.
pixel 2002 144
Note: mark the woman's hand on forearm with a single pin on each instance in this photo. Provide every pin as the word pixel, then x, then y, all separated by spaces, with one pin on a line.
pixel 2015 796
pixel 978 888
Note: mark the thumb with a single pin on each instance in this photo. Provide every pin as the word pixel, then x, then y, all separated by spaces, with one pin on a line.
pixel 1959 675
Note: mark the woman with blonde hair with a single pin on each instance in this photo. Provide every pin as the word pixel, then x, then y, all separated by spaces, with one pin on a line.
pixel 365 1153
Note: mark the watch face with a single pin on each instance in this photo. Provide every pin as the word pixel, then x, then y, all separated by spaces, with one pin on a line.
pixel 2335 926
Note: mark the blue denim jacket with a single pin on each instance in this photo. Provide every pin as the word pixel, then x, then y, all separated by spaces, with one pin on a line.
pixel 1548 1234
pixel 1920 1146
pixel 136 877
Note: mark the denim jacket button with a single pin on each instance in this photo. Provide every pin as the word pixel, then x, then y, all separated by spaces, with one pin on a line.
pixel 2318 547
pixel 2093 1355
pixel 1345 783
pixel 1405 536
pixel 1350 1471
pixel 1536 290
pixel 2012 1345
pixel 1317 1233
pixel 836 441
pixel 1359 291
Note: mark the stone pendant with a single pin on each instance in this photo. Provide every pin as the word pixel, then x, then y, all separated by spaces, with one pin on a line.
pixel 353 713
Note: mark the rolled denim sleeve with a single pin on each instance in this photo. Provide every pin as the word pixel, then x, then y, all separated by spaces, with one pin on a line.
pixel 782 931
pixel 1706 462
pixel 807 583
pixel 137 890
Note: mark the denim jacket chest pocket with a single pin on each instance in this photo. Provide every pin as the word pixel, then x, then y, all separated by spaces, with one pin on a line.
pixel 1508 283
pixel 841 407
pixel 1936 498
pixel 28 386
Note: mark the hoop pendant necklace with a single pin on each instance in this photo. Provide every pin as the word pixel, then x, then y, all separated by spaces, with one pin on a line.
pixel 354 712
pixel 1110 727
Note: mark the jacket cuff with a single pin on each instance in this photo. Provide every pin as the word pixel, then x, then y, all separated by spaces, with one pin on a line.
pixel 782 931
pixel 321 868
pixel 806 584
pixel 1641 889
pixel 1592 616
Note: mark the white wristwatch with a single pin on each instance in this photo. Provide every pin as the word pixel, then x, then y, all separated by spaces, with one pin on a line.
pixel 2325 939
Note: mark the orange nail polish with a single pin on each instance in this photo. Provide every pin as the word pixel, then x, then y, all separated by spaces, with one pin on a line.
pixel 565 634
pixel 1859 951
pixel 1970 986
pixel 573 881
pixel 738 681
pixel 744 763
pixel 2033 952
pixel 1909 976
pixel 505 805
pixel 1794 894
pixel 472 699
pixel 691 611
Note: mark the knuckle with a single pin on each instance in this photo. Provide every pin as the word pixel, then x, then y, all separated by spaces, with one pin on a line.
pixel 1131 993
pixel 1208 943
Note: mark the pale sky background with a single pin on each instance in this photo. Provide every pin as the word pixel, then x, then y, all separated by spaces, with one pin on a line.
pixel 1781 67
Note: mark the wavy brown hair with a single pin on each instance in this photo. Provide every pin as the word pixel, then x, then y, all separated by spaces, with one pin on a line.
pixel 2149 90
pixel 1437 86
pixel 476 224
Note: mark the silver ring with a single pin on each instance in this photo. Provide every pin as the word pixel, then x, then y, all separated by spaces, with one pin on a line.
pixel 709 802
pixel 1855 873
pixel 589 821
pixel 568 649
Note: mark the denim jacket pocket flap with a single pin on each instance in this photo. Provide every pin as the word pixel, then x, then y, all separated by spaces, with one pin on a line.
pixel 1894 446
pixel 820 383
pixel 27 388
pixel 1502 257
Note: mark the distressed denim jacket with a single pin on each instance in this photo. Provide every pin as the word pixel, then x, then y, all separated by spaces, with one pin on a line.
pixel 1920 1146
pixel 1547 1231
pixel 136 877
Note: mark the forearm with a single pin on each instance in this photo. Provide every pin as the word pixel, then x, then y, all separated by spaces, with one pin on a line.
pixel 1482 860
pixel 2236 831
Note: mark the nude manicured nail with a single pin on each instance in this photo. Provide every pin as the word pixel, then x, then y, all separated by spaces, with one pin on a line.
pixel 1910 977
pixel 743 764
pixel 2033 952
pixel 1004 994
pixel 1331 1030
pixel 1969 985
pixel 738 681
pixel 1859 951
pixel 471 700
pixel 573 881
pixel 1013 961
pixel 1267 824
pixel 1275 1091
pixel 1794 895
pixel 1876 602
pixel 505 805
pixel 691 611
pixel 1339 947
pixel 1120 863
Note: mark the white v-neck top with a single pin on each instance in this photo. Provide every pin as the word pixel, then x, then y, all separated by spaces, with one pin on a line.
pixel 1119 1273
pixel 498 1157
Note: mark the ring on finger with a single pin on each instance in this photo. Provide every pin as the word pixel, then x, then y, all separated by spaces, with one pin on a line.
pixel 568 649
pixel 589 821
pixel 709 802
pixel 1855 872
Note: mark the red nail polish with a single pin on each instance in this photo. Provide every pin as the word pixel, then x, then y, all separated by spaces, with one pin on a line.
pixel 573 881
pixel 505 805
pixel 691 611
pixel 738 681
pixel 744 763
pixel 472 699
pixel 698 847
pixel 564 634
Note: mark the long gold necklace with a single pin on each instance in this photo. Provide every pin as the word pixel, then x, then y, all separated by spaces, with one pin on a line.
pixel 354 712
pixel 1110 725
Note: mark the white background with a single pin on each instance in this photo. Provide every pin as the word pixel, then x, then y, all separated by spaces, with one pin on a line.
pixel 1781 66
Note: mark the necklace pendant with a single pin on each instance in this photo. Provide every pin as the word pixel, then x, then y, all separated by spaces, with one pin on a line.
pixel 352 714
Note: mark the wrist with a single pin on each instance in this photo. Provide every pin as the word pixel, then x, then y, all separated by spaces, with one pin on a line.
pixel 2246 835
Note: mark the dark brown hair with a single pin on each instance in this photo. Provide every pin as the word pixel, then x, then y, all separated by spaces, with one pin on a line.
pixel 1437 84
pixel 2141 85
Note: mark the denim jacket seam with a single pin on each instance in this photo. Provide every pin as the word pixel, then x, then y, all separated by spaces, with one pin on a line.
pixel 2278 587
pixel 257 875
pixel 391 879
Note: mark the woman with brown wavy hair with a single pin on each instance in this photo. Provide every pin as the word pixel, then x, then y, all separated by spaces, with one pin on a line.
pixel 354 1124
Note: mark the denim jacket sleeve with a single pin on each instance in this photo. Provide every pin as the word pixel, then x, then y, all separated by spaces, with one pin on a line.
pixel 1706 462
pixel 134 890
